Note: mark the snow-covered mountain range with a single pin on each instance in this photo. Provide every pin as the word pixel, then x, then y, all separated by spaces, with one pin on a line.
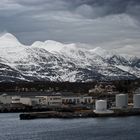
pixel 54 61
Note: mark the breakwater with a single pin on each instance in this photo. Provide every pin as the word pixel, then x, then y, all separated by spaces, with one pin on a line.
pixel 78 114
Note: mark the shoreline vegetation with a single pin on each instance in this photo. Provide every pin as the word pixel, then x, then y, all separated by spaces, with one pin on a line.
pixel 76 87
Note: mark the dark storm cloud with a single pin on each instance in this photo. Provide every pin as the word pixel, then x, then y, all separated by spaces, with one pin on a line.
pixel 109 7
pixel 107 23
pixel 100 7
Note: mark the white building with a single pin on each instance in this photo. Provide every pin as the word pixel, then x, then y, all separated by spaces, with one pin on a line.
pixel 77 99
pixel 16 100
pixel 71 99
pixel 87 99
pixel 50 100
pixel 29 101
pixel 5 99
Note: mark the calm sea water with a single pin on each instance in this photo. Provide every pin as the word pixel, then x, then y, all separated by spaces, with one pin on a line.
pixel 11 128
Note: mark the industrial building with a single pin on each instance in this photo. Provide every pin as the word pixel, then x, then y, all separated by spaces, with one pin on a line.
pixel 16 100
pixel 29 101
pixel 71 100
pixel 50 100
pixel 77 100
pixel 5 99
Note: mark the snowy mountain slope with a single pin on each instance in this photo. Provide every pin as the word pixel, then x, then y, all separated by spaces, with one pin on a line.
pixel 54 61
pixel 125 62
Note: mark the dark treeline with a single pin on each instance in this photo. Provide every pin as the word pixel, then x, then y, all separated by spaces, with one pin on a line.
pixel 45 86
pixel 77 87
pixel 127 85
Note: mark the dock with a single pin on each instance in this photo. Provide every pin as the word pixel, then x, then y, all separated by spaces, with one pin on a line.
pixel 78 114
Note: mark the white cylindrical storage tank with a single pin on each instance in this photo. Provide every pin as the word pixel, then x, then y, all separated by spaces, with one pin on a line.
pixel 136 100
pixel 101 105
pixel 121 100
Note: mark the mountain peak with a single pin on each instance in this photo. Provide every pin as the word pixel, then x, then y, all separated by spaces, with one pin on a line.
pixel 53 42
pixel 37 44
pixel 102 52
pixel 8 40
pixel 49 45
pixel 98 50
pixel 9 36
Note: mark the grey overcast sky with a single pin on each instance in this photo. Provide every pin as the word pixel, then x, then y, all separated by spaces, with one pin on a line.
pixel 109 24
